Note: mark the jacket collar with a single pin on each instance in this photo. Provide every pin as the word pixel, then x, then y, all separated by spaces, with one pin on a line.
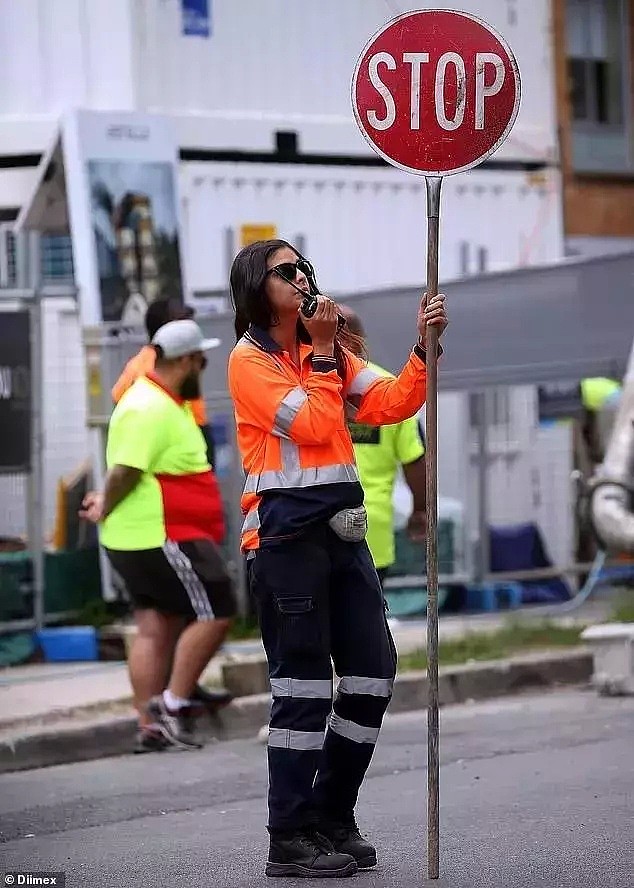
pixel 262 339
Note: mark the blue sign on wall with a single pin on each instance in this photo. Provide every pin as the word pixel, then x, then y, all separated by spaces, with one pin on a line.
pixel 196 18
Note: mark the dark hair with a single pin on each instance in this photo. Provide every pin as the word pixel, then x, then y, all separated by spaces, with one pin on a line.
pixel 161 360
pixel 162 311
pixel 251 305
pixel 353 321
pixel 246 285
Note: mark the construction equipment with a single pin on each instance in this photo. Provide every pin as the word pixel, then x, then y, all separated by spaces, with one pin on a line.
pixel 612 488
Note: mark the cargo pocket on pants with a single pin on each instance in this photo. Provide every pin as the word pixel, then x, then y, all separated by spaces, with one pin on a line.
pixel 300 633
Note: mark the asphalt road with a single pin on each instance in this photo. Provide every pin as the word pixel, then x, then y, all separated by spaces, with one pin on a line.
pixel 535 791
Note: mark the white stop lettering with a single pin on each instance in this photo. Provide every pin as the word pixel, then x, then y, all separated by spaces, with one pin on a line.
pixel 416 61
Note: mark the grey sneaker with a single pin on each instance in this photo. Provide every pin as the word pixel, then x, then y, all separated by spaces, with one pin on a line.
pixel 175 725
pixel 149 740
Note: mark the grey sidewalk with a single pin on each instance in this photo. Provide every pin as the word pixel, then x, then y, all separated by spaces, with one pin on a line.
pixel 45 693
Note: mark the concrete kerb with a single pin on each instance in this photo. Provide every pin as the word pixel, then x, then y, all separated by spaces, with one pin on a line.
pixel 88 738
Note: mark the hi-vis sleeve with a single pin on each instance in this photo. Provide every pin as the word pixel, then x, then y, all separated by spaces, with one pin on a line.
pixel 379 400
pixel 123 383
pixel 265 397
pixel 139 365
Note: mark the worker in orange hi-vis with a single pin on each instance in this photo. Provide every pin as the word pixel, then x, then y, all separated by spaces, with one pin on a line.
pixel 159 313
pixel 294 378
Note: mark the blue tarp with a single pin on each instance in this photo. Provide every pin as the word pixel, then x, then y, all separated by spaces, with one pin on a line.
pixel 521 547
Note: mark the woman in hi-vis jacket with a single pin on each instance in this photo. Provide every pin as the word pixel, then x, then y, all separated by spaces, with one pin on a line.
pixel 293 384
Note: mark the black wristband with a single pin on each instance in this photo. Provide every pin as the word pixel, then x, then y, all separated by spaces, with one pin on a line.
pixel 324 363
pixel 421 352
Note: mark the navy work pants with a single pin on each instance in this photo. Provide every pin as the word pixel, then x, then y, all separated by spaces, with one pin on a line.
pixel 319 598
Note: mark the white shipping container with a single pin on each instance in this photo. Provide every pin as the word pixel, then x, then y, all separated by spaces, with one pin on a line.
pixel 365 228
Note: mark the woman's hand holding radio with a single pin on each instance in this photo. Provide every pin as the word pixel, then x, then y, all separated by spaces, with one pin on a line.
pixel 322 326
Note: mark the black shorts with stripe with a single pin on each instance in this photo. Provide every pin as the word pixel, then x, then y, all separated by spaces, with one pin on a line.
pixel 187 578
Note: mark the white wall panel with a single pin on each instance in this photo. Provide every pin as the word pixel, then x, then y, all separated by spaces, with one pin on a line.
pixel 58 54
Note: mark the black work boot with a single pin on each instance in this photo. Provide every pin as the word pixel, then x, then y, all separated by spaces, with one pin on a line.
pixel 346 839
pixel 302 855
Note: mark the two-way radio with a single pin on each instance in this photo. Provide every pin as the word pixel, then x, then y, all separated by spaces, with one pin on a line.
pixel 310 302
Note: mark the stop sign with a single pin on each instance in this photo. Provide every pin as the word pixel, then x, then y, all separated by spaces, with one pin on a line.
pixel 435 92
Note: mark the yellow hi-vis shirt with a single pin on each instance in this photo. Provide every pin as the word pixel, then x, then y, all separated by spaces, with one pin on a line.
pixel 596 390
pixel 379 451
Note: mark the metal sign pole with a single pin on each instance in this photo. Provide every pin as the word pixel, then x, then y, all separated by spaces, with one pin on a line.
pixel 483 556
pixel 433 186
pixel 32 264
pixel 36 477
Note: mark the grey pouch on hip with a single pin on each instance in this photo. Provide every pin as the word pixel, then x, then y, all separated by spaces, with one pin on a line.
pixel 350 525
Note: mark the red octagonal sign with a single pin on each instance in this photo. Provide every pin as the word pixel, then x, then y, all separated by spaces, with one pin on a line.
pixel 435 92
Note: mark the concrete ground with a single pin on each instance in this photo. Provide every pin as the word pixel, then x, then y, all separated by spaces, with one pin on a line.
pixel 535 790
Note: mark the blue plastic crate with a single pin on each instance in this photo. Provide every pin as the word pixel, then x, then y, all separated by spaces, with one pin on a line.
pixel 68 643
pixel 493 596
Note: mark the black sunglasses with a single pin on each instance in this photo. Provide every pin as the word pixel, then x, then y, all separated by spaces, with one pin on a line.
pixel 288 270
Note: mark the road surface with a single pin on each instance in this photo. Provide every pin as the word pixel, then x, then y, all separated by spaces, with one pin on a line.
pixel 535 791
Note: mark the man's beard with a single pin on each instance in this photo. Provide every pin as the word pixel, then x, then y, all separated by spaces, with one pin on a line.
pixel 190 387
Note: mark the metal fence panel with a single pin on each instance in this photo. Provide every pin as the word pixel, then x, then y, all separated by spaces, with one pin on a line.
pixel 13 512
pixel 35 576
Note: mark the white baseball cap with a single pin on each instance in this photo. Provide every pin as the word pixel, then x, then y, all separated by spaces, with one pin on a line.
pixel 179 338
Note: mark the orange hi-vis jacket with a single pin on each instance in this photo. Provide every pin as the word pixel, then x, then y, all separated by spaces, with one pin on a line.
pixel 142 364
pixel 293 437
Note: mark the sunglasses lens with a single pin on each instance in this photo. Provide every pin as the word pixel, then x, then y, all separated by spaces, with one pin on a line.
pixel 203 363
pixel 288 270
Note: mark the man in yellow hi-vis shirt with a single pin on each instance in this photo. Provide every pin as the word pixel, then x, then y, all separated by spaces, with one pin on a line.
pixel 379 452
pixel 596 393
